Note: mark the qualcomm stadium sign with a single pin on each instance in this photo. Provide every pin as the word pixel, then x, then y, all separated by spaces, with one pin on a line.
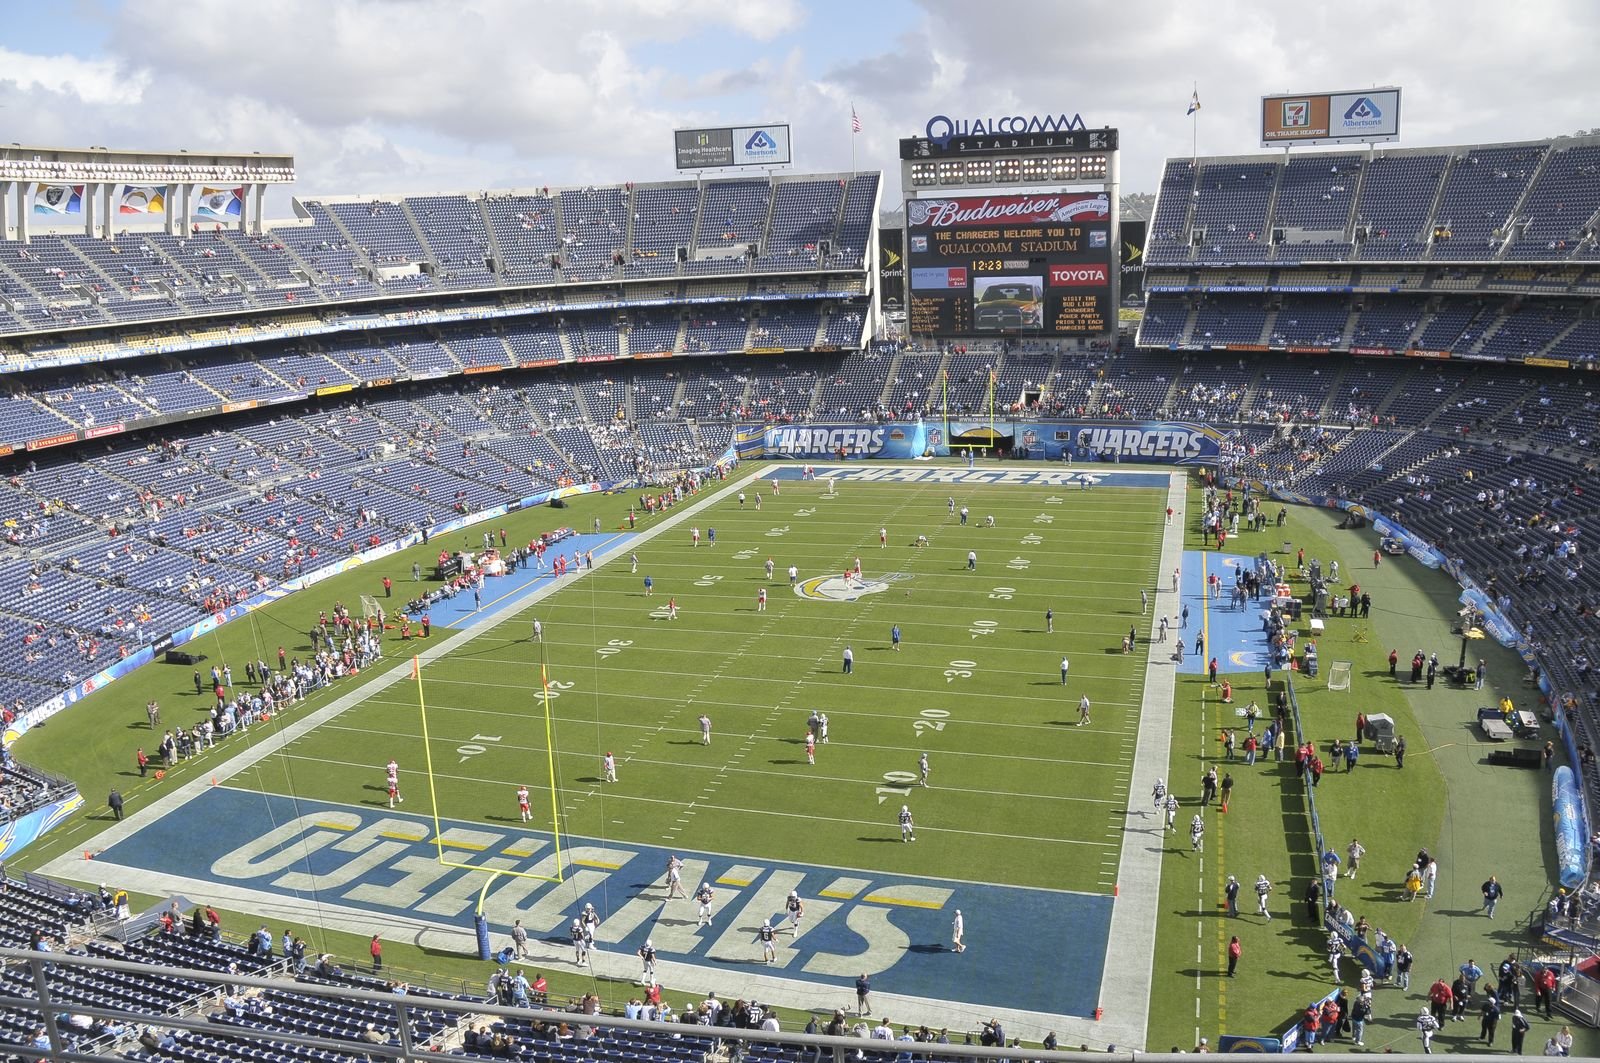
pixel 941 129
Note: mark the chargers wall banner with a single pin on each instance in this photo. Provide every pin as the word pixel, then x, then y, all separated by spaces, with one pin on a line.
pixel 854 441
pixel 57 199
pixel 142 199
pixel 1163 442
pixel 220 202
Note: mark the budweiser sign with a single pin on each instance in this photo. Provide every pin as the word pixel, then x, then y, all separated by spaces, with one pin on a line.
pixel 1008 210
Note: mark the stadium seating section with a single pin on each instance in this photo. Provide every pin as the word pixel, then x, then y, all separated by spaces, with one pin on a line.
pixel 341 250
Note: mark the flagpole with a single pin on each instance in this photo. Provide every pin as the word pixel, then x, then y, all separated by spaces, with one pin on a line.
pixel 855 127
pixel 1194 129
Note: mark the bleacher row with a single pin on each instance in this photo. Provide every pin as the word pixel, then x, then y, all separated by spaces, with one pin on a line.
pixel 188 975
pixel 1500 328
pixel 185 973
pixel 97 399
pixel 343 250
pixel 1537 201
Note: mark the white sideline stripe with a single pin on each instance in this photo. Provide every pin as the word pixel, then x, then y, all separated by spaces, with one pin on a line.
pixel 1131 942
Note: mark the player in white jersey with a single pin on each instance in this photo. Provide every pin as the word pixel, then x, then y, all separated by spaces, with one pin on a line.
pixel 674 878
pixel 609 767
pixel 633 561
pixel 922 768
pixel 1172 812
pixel 796 908
pixel 538 630
pixel 522 804
pixel 811 747
pixel 769 569
pixel 794 575
pixel 958 930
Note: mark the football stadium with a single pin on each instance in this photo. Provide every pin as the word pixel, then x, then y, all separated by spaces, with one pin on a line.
pixel 771 608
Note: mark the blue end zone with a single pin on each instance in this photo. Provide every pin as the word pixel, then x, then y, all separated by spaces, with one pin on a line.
pixel 508 592
pixel 1234 637
pixel 1041 950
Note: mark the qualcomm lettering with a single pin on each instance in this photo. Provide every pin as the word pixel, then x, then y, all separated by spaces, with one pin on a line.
pixel 1164 442
pixel 941 128
pixel 801 441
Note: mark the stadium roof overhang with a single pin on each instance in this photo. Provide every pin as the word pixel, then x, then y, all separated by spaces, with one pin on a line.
pixel 24 162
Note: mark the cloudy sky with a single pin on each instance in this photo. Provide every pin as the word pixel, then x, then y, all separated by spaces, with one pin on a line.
pixel 419 95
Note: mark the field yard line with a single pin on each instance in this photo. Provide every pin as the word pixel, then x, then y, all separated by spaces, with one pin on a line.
pixel 1131 941
pixel 723 769
pixel 1009 699
pixel 76 869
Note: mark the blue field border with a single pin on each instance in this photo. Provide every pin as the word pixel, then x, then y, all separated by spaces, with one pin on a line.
pixel 1235 637
pixel 509 593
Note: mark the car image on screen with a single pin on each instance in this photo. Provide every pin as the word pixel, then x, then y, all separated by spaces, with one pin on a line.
pixel 1007 304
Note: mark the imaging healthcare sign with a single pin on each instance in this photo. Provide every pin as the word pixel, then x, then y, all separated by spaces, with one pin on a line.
pixel 754 145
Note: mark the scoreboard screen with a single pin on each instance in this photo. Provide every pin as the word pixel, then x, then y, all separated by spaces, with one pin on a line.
pixel 1033 264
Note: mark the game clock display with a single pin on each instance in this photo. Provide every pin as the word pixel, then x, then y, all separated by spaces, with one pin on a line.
pixel 1010 265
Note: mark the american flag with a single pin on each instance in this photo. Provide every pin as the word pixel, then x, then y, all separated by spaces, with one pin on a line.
pixel 855 120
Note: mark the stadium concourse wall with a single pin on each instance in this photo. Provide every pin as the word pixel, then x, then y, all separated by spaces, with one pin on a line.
pixel 71 696
pixel 1162 442
pixel 1570 800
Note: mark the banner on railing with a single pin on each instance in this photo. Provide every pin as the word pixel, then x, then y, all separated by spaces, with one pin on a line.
pixel 29 827
pixel 1572 842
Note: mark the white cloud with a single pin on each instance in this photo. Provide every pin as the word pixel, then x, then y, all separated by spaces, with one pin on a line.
pixel 90 80
pixel 423 95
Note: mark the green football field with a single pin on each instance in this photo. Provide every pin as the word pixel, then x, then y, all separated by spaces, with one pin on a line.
pixel 1017 787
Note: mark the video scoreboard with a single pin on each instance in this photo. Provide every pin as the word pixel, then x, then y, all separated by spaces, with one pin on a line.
pixel 1029 264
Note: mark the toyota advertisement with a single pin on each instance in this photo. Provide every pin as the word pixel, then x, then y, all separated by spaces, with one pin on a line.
pixel 1037 264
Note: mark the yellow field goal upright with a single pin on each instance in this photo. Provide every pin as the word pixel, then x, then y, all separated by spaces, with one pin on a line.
pixel 490 873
